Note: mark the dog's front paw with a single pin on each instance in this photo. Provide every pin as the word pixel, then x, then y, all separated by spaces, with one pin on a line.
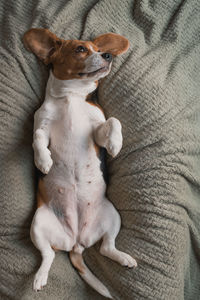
pixel 114 137
pixel 43 161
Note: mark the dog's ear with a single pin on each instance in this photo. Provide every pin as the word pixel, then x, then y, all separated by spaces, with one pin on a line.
pixel 42 43
pixel 112 43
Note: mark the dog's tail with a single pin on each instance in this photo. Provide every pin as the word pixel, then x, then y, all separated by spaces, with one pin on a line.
pixel 86 274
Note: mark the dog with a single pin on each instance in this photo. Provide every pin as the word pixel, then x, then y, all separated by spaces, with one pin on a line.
pixel 73 212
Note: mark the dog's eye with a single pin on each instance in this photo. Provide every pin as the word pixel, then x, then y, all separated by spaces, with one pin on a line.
pixel 81 49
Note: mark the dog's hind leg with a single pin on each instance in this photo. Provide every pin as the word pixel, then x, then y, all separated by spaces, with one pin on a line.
pixel 113 221
pixel 41 276
pixel 47 232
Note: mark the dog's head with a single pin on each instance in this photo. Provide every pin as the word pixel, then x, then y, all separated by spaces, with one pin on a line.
pixel 73 58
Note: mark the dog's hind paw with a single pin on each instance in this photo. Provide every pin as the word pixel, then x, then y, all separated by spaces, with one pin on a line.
pixel 40 280
pixel 127 260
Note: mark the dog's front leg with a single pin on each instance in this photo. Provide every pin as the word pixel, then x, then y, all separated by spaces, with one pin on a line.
pixel 42 155
pixel 109 135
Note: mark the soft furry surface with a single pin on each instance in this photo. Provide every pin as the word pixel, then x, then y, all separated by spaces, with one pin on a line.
pixel 154 182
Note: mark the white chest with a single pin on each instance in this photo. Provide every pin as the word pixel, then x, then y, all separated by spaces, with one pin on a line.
pixel 71 131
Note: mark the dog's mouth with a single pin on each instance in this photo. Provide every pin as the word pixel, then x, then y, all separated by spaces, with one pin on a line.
pixel 90 74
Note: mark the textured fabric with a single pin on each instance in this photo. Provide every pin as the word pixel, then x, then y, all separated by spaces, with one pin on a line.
pixel 154 182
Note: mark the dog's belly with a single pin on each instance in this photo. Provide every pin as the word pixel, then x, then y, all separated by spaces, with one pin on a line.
pixel 75 203
pixel 75 185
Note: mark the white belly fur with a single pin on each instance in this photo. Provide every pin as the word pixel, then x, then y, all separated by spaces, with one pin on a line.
pixel 75 183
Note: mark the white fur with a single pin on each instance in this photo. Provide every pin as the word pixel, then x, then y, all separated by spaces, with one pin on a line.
pixel 109 135
pixel 78 214
pixel 93 62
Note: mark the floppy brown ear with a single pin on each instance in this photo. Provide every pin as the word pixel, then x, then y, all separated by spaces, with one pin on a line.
pixel 42 43
pixel 112 43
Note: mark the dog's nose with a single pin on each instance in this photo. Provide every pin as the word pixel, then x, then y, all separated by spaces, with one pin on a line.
pixel 107 56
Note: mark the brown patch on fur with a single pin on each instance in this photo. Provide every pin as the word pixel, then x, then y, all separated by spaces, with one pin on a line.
pixel 67 62
pixel 39 200
pixel 89 97
pixel 55 249
pixel 97 149
pixel 42 43
pixel 77 261
pixel 112 43
pixel 41 194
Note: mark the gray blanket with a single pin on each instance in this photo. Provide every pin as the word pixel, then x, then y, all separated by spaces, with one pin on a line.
pixel 154 90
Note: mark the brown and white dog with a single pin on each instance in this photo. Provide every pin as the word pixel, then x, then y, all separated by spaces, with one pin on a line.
pixel 73 212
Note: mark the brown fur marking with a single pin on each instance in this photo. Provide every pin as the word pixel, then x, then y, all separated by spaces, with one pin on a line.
pixel 97 149
pixel 41 194
pixel 77 261
pixel 55 249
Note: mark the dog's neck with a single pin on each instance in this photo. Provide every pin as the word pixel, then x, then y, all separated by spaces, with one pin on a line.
pixel 73 88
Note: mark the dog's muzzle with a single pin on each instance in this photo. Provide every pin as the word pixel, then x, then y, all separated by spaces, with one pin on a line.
pixel 107 57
